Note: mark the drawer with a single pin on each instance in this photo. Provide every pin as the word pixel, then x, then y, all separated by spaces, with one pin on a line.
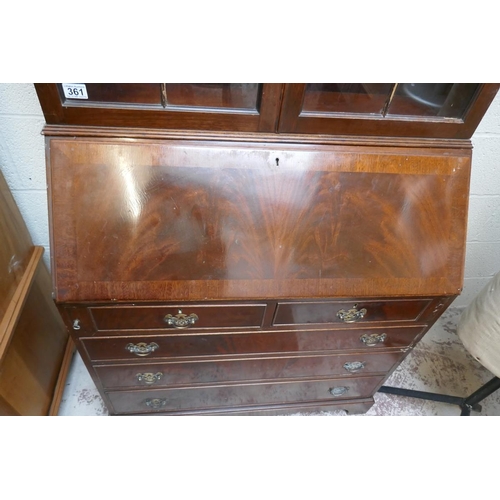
pixel 182 316
pixel 346 312
pixel 227 344
pixel 235 370
pixel 224 396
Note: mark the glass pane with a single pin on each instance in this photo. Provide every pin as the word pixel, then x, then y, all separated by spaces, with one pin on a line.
pixel 123 93
pixel 213 95
pixel 346 97
pixel 447 100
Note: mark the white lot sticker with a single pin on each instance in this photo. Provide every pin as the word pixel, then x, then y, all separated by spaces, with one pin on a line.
pixel 75 91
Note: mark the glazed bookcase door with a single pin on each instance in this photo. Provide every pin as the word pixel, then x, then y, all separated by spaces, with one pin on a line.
pixel 241 107
pixel 440 110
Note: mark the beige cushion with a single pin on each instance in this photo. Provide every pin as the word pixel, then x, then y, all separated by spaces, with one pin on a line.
pixel 479 326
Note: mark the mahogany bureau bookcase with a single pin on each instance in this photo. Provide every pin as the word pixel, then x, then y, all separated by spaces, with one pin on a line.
pixel 255 248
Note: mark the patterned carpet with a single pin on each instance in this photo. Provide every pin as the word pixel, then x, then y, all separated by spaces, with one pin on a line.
pixel 439 363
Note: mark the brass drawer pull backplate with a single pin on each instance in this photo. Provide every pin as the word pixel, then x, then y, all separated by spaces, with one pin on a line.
pixel 149 378
pixel 338 391
pixel 352 315
pixel 181 320
pixel 373 339
pixel 156 403
pixel 354 366
pixel 142 349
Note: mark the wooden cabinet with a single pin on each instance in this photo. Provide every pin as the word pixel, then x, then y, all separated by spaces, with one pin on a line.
pixel 439 110
pixel 34 348
pixel 245 107
pixel 447 110
pixel 210 260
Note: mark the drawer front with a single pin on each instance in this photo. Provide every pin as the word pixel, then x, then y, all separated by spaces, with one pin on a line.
pixel 231 370
pixel 176 317
pixel 224 396
pixel 344 312
pixel 222 344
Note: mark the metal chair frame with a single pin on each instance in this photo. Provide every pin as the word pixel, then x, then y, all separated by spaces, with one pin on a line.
pixel 466 404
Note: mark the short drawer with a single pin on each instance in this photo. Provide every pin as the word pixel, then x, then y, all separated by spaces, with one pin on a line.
pixel 235 370
pixel 182 316
pixel 233 396
pixel 347 312
pixel 227 344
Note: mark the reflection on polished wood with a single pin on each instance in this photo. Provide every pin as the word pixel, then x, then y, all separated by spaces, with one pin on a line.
pixel 199 372
pixel 242 395
pixel 242 344
pixel 185 221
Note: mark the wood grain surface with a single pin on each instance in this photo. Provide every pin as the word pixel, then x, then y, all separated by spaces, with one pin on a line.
pixel 200 371
pixel 140 220
pixel 184 345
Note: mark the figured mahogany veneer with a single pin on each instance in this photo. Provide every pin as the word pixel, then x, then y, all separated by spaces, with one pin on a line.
pixel 190 221
pixel 174 373
pixel 230 344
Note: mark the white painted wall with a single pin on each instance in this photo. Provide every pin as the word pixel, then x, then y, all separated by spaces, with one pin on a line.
pixel 22 162
pixel 22 157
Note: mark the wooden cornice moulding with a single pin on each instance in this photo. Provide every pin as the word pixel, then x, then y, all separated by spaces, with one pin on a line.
pixel 11 317
pixel 190 135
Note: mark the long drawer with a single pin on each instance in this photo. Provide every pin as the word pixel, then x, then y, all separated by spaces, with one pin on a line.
pixel 220 396
pixel 227 344
pixel 234 370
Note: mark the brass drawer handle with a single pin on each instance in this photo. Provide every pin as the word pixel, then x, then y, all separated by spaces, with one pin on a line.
pixel 352 315
pixel 373 339
pixel 354 366
pixel 156 403
pixel 149 378
pixel 180 320
pixel 142 349
pixel 338 391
